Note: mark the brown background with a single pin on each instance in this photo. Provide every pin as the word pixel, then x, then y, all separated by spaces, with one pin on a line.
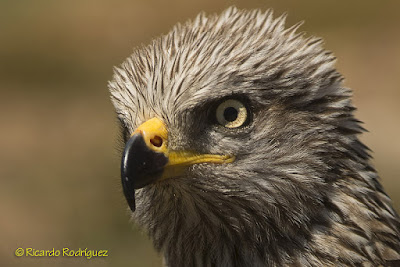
pixel 59 171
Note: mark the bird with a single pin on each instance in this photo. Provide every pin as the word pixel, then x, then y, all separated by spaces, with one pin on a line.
pixel 240 147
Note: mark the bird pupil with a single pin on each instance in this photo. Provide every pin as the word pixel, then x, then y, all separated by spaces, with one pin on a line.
pixel 230 114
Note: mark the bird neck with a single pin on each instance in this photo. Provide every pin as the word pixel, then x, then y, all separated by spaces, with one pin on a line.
pixel 189 234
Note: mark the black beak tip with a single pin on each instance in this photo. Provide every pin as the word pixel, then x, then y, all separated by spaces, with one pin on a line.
pixel 129 193
pixel 140 166
pixel 131 203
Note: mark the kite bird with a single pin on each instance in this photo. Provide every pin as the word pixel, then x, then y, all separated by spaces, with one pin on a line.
pixel 241 149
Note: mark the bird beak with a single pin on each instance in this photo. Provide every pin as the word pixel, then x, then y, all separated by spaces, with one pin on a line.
pixel 147 159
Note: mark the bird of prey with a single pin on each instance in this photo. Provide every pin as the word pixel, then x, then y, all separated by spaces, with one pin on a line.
pixel 241 149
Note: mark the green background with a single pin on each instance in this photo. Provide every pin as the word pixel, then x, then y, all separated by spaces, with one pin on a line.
pixel 59 163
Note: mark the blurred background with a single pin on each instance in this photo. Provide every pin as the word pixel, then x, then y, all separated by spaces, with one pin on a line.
pixel 59 166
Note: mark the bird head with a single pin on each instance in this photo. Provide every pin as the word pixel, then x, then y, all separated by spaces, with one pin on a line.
pixel 236 131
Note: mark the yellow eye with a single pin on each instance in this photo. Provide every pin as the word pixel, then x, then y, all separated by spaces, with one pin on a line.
pixel 231 113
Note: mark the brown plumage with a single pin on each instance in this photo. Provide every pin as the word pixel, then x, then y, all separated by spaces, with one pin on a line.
pixel 300 190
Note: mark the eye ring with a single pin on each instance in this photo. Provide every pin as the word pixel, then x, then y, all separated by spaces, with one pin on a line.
pixel 231 113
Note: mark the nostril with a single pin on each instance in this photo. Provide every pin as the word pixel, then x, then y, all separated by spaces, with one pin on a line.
pixel 156 141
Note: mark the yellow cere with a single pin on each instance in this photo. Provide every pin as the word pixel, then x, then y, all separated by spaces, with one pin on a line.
pixel 155 134
pixel 154 129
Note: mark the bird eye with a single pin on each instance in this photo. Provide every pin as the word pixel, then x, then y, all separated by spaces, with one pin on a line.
pixel 231 113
